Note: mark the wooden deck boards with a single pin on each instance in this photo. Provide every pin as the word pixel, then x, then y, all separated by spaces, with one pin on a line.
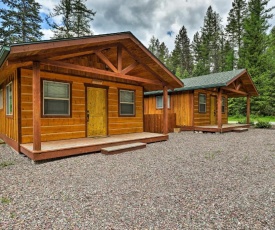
pixel 62 148
pixel 225 127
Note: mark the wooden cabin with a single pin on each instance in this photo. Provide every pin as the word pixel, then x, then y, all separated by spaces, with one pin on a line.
pixel 202 104
pixel 73 96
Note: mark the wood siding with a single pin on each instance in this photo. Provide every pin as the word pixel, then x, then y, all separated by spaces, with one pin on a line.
pixel 153 123
pixel 204 118
pixel 184 105
pixel 75 126
pixel 9 123
pixel 179 104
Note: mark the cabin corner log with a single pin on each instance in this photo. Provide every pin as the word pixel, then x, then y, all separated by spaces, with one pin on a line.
pixel 165 110
pixel 248 109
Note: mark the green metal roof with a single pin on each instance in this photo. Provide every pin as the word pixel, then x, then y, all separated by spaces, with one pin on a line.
pixel 204 81
pixel 4 52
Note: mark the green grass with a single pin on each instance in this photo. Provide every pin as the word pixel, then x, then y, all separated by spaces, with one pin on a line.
pixel 5 200
pixel 252 118
pixel 4 164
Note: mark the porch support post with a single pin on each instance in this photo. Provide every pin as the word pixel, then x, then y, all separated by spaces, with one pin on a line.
pixel 165 110
pixel 36 101
pixel 248 109
pixel 219 108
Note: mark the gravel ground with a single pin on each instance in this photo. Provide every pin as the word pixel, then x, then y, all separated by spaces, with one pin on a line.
pixel 192 181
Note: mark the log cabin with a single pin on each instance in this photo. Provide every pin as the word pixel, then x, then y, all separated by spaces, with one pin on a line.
pixel 72 96
pixel 202 104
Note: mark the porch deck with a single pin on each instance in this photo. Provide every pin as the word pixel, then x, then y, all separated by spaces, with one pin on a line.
pixel 215 128
pixel 62 148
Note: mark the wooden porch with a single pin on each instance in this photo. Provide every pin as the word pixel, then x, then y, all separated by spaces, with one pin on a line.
pixel 63 148
pixel 215 128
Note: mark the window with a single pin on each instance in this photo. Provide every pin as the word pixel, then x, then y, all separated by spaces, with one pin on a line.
pixel 56 98
pixel 9 101
pixel 126 102
pixel 1 98
pixel 159 101
pixel 202 103
pixel 223 104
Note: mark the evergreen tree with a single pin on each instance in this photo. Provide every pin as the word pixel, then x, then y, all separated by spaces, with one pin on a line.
pixel 181 56
pixel 235 28
pixel 160 50
pixel 255 44
pixel 75 19
pixel 20 22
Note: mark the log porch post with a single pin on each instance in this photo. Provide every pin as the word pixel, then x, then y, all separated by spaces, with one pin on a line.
pixel 248 109
pixel 219 109
pixel 36 101
pixel 165 110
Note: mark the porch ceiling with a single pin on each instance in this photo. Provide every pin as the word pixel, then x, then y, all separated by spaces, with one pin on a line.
pixel 122 55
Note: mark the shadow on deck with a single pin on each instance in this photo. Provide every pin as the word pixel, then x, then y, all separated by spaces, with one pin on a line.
pixel 63 148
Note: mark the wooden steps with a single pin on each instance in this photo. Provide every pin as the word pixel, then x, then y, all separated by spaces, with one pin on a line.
pixel 123 148
pixel 240 130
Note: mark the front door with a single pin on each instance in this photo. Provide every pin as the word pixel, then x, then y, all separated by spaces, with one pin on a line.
pixel 213 110
pixel 96 112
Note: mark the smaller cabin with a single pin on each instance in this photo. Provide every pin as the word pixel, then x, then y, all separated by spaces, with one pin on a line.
pixel 202 104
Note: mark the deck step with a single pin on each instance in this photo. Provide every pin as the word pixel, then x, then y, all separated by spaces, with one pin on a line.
pixel 123 148
pixel 239 130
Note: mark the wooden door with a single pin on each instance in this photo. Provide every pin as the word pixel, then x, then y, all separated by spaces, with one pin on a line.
pixel 213 110
pixel 96 112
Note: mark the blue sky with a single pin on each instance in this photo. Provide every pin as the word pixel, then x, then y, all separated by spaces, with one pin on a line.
pixel 145 18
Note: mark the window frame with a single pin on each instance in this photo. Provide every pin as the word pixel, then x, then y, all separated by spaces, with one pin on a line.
pixel 202 94
pixel 161 96
pixel 51 98
pixel 223 104
pixel 134 103
pixel 1 98
pixel 9 89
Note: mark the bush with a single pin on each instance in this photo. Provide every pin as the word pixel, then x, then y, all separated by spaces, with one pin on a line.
pixel 263 125
pixel 243 121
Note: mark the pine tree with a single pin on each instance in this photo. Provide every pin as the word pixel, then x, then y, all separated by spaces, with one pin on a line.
pixel 235 28
pixel 154 46
pixel 75 19
pixel 20 22
pixel 160 50
pixel 181 55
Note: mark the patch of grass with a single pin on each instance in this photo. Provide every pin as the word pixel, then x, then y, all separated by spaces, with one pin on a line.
pixel 263 125
pixel 4 164
pixel 252 118
pixel 212 155
pixel 5 200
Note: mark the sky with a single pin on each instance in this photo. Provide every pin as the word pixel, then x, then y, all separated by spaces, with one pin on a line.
pixel 146 18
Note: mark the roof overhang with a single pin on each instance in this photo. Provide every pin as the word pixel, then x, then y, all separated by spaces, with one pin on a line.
pixel 136 61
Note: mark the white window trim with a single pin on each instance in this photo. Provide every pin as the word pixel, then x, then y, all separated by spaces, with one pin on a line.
pixel 59 99
pixel 161 107
pixel 129 103
pixel 202 103
pixel 8 112
pixel 1 99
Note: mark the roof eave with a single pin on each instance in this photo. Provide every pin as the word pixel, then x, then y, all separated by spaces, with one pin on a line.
pixel 4 53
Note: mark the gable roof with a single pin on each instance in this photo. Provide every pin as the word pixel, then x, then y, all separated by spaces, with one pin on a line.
pixel 216 80
pixel 141 62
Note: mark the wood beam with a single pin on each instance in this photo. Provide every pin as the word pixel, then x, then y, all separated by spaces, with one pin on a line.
pixel 248 109
pixel 106 61
pixel 238 86
pixel 234 91
pixel 100 72
pixel 119 58
pixel 165 110
pixel 129 68
pixel 219 108
pixel 36 101
pixel 145 66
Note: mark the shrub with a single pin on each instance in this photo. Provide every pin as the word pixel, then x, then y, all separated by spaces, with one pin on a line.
pixel 243 121
pixel 263 125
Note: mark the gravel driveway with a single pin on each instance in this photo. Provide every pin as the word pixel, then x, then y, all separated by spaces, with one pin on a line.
pixel 192 181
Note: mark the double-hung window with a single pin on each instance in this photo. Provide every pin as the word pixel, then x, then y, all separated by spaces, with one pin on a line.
pixel 202 103
pixel 56 98
pixel 9 99
pixel 159 102
pixel 126 102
